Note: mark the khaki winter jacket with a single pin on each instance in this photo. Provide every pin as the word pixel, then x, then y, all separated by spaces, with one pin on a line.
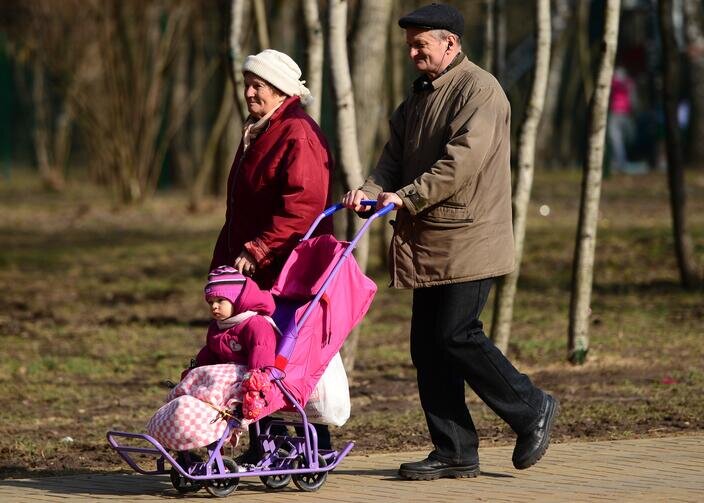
pixel 448 158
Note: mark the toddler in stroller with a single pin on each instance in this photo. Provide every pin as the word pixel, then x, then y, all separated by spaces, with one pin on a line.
pixel 242 330
pixel 241 335
pixel 320 281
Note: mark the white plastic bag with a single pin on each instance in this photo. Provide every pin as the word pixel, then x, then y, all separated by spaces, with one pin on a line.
pixel 330 401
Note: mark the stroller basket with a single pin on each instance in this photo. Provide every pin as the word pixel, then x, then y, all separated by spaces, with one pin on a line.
pixel 285 457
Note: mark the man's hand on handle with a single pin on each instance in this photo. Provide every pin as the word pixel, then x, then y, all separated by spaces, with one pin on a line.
pixel 353 199
pixel 386 198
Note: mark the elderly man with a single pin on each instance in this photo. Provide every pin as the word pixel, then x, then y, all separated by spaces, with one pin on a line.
pixel 446 168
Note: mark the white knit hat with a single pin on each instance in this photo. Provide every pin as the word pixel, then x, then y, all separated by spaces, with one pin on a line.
pixel 280 71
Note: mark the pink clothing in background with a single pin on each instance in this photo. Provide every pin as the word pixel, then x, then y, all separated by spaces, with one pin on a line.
pixel 621 94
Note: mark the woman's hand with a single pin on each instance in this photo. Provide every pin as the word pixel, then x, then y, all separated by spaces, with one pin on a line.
pixel 245 263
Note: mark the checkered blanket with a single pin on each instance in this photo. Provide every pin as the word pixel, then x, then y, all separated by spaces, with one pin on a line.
pixel 192 416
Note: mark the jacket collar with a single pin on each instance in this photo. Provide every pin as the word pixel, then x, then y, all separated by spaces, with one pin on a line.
pixel 253 128
pixel 289 103
pixel 423 83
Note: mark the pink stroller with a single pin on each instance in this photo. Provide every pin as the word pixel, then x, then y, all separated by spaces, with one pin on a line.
pixel 319 281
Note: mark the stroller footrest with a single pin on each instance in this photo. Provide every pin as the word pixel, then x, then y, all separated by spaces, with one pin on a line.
pixel 141 450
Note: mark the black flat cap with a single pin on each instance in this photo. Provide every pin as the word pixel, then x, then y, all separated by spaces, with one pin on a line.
pixel 435 17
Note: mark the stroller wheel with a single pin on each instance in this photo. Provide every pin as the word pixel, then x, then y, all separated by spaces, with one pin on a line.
pixel 279 462
pixel 224 487
pixel 310 482
pixel 181 483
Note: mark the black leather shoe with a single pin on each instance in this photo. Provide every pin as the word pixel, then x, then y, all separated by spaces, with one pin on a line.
pixel 530 447
pixel 431 469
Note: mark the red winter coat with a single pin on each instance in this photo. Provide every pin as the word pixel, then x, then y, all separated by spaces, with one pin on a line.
pixel 275 191
pixel 252 342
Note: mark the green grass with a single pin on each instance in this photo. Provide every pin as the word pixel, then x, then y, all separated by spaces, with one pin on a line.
pixel 99 305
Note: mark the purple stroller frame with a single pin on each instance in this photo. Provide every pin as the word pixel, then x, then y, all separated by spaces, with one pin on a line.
pixel 284 456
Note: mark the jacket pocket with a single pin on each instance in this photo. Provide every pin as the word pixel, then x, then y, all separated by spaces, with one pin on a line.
pixel 448 212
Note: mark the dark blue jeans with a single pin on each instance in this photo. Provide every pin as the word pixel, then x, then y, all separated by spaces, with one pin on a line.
pixel 449 348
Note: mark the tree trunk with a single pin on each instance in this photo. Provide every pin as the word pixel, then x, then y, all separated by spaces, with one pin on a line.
pixel 205 170
pixel 574 106
pixel 546 147
pixel 489 35
pixel 285 25
pixel 62 137
pixel 350 163
pixel 236 28
pixel 314 56
pixel 695 55
pixel 262 26
pixel 396 94
pixel 675 174
pixel 506 292
pixel 583 265
pixel 198 124
pixel 51 177
pixel 370 35
pixel 584 50
pixel 343 95
pixel 182 157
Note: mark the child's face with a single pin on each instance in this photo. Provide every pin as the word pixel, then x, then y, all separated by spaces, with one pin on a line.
pixel 220 308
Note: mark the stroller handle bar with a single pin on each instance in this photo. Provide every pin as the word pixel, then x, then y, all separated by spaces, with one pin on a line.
pixel 348 251
pixel 337 207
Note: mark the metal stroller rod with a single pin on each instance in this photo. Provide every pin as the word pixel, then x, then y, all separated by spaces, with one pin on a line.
pixel 328 212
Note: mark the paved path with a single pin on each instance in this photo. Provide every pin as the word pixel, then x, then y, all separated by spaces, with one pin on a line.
pixel 658 469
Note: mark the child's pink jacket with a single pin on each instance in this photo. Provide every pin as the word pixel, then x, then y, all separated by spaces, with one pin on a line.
pixel 251 342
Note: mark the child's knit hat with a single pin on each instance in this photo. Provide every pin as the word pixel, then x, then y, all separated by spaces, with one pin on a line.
pixel 226 282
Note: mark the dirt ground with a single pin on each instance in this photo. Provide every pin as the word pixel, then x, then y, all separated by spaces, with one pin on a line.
pixel 99 305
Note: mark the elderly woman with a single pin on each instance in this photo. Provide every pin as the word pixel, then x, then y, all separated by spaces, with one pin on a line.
pixel 279 182
pixel 280 179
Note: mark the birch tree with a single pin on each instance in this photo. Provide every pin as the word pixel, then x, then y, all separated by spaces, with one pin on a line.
pixel 369 38
pixel 506 292
pixel 314 56
pixel 684 249
pixel 237 14
pixel 343 94
pixel 261 24
pixel 346 129
pixel 560 35
pixel 583 264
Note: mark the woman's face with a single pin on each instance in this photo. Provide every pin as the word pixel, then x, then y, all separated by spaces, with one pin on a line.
pixel 261 97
